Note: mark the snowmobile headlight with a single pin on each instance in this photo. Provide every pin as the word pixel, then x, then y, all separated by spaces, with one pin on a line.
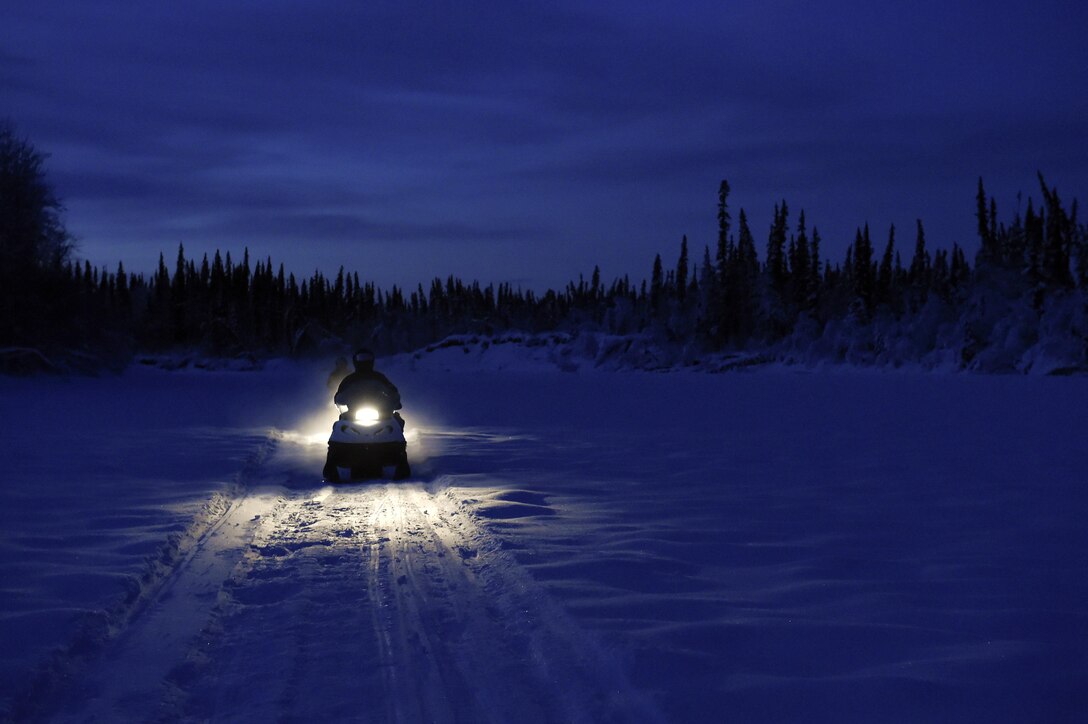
pixel 341 409
pixel 366 416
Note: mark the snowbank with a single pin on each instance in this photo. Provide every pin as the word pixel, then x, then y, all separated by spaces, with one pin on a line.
pixel 992 335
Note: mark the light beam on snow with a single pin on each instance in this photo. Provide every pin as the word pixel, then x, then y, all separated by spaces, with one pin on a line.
pixel 313 428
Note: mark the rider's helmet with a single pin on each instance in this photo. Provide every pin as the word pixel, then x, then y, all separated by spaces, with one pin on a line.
pixel 363 359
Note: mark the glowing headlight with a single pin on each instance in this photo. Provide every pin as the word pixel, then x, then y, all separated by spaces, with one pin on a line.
pixel 366 416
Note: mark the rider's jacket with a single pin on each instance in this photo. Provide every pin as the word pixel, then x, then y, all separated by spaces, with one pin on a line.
pixel 369 386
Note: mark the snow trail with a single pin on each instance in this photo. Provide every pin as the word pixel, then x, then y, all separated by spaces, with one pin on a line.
pixel 378 602
pixel 146 650
pixel 118 656
pixel 151 629
pixel 389 602
pixel 484 633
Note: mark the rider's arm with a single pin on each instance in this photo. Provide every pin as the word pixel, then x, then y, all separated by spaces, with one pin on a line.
pixel 394 397
pixel 393 392
pixel 340 398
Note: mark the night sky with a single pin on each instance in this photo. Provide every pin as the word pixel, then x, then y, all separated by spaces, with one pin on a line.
pixel 524 142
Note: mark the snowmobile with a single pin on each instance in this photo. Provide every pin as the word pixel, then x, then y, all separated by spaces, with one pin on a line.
pixel 367 438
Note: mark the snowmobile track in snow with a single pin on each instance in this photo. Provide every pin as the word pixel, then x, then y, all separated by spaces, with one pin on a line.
pixel 460 638
pixel 389 602
pixel 379 602
pixel 105 632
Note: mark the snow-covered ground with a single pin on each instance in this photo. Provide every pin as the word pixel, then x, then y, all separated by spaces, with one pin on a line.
pixel 761 546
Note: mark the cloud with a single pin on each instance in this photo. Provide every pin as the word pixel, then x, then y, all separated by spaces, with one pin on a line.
pixel 558 124
pixel 346 227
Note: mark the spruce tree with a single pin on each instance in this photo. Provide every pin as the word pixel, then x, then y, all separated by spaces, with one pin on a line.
pixel 1015 244
pixel 918 274
pixel 743 284
pixel 723 230
pixel 801 266
pixel 887 269
pixel 162 284
pixel 959 272
pixel 682 270
pixel 863 272
pixel 747 256
pixel 983 218
pixel 1033 242
pixel 776 249
pixel 338 285
pixel 707 286
pixel 1082 254
pixel 656 283
pixel 178 299
pixel 124 294
pixel 1058 239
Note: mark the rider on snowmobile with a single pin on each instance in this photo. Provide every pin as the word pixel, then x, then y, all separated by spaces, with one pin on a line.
pixel 363 388
pixel 366 383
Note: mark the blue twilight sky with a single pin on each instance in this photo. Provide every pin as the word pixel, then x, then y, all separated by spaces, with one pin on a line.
pixel 526 142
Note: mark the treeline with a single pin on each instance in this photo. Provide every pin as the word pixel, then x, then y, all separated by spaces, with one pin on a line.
pixel 1044 251
pixel 1032 267
pixel 730 298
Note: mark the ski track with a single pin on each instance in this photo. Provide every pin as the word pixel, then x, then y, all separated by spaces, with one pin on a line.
pixel 378 602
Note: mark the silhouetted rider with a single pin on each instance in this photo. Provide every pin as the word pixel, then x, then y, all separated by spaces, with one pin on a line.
pixel 365 455
pixel 366 384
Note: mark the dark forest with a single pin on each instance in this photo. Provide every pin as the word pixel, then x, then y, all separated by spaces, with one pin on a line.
pixel 708 301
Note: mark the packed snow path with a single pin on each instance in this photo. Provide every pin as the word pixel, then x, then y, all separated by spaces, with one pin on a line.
pixel 370 602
